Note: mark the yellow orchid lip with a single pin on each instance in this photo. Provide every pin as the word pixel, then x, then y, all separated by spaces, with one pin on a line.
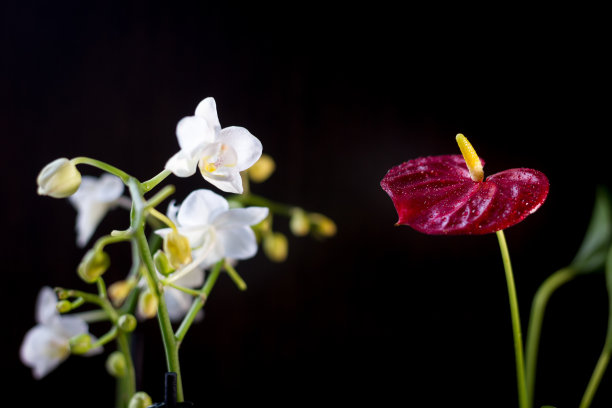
pixel 471 158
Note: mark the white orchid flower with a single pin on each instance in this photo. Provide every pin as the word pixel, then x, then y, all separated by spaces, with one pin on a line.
pixel 220 153
pixel 46 345
pixel 214 230
pixel 92 201
pixel 179 303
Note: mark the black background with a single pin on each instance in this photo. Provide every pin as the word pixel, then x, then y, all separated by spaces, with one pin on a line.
pixel 378 313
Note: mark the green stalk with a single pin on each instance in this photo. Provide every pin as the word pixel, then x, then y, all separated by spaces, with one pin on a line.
pixel 198 303
pixel 276 208
pixel 127 384
pixel 598 373
pixel 170 344
pixel 538 307
pixel 516 322
pixel 102 166
pixel 153 182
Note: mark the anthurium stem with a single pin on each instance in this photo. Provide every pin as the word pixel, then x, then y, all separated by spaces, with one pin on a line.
pixel 516 322
pixel 538 307
pixel 598 373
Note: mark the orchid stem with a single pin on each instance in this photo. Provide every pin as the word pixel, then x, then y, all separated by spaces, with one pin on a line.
pixel 516 322
pixel 538 307
pixel 152 183
pixel 102 166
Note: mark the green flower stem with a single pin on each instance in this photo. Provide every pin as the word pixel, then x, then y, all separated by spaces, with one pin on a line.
pixel 276 208
pixel 159 197
pixel 127 382
pixel 103 166
pixel 538 307
pixel 152 183
pixel 598 373
pixel 76 303
pixel 118 236
pixel 92 316
pixel 108 337
pixel 183 289
pixel 516 323
pixel 137 224
pixel 101 288
pixel 240 283
pixel 104 304
pixel 198 303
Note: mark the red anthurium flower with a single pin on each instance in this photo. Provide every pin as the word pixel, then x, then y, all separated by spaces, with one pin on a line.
pixel 441 195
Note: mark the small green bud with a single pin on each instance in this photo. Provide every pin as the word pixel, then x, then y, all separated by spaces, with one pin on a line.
pixel 263 228
pixel 140 400
pixel 63 306
pixel 147 304
pixel 59 179
pixel 162 264
pixel 324 227
pixel 262 169
pixel 299 223
pixel 119 290
pixel 93 265
pixel 61 293
pixel 80 344
pixel 276 247
pixel 116 364
pixel 127 322
pixel 177 249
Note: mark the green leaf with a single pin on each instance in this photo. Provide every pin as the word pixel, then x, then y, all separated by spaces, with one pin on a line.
pixel 594 249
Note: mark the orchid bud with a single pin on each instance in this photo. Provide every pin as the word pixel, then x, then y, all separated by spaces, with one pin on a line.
pixel 63 306
pixel 127 322
pixel 177 249
pixel 116 364
pixel 119 290
pixel 323 226
pixel 140 400
pixel 299 223
pixel 80 344
pixel 93 265
pixel 59 179
pixel 262 169
pixel 162 264
pixel 276 247
pixel 147 305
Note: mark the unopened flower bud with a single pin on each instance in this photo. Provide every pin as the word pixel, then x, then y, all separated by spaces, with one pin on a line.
pixel 140 400
pixel 59 179
pixel 323 226
pixel 63 306
pixel 119 290
pixel 127 322
pixel 276 247
pixel 299 223
pixel 147 305
pixel 93 265
pixel 262 169
pixel 80 344
pixel 162 264
pixel 262 229
pixel 116 364
pixel 177 249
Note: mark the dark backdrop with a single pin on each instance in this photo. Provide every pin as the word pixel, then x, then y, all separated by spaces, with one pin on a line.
pixel 378 313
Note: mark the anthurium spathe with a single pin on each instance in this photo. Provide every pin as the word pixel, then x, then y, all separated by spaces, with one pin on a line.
pixel 213 229
pixel 221 154
pixel 443 194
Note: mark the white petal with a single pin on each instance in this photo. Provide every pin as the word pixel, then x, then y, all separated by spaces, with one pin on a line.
pixel 108 188
pixel 43 349
pixel 87 220
pixel 240 217
pixel 86 190
pixel 70 326
pixel 194 279
pixel 45 306
pixel 200 207
pixel 182 165
pixel 247 146
pixel 237 243
pixel 178 303
pixel 231 182
pixel 172 210
pixel 207 109
pixel 194 133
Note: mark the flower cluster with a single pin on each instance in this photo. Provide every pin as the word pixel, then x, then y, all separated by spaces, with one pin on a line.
pixel 175 269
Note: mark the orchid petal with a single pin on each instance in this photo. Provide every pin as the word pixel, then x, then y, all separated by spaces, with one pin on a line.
pixel 207 109
pixel 43 349
pixel 247 146
pixel 182 164
pixel 45 306
pixel 237 243
pixel 87 220
pixel 70 326
pixel 240 217
pixel 108 188
pixel 231 182
pixel 199 207
pixel 194 133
